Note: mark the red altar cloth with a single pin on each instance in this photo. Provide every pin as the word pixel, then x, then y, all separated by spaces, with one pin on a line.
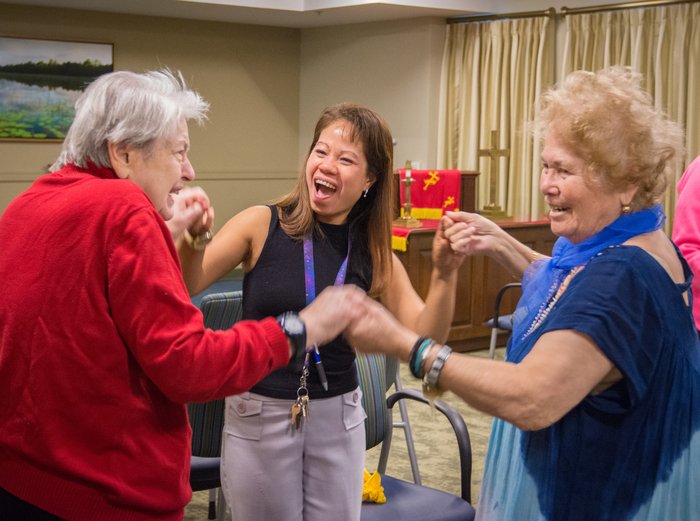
pixel 432 192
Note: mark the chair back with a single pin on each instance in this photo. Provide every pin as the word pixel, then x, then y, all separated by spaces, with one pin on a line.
pixel 374 382
pixel 220 311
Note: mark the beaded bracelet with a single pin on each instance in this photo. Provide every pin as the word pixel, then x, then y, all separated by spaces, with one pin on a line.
pixel 430 380
pixel 414 351
pixel 423 359
pixel 420 358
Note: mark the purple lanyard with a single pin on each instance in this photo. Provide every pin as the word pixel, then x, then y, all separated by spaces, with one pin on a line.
pixel 310 275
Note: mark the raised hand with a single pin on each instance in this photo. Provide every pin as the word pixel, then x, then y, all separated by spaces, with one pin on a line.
pixel 471 233
pixel 192 211
pixel 445 258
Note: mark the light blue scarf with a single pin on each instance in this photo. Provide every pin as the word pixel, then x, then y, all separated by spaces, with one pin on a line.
pixel 543 278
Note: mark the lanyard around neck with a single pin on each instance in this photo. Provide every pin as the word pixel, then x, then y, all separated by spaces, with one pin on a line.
pixel 310 275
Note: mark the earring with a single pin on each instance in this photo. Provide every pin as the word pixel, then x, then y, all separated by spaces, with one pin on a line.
pixel 626 208
pixel 364 192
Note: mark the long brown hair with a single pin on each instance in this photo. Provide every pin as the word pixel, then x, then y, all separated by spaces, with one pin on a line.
pixel 370 218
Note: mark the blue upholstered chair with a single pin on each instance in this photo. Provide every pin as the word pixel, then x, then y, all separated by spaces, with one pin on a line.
pixel 407 501
pixel 221 311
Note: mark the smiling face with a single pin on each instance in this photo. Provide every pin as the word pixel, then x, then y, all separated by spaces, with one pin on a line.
pixel 580 204
pixel 161 171
pixel 336 173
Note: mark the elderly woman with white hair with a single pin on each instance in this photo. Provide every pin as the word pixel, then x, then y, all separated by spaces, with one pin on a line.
pixel 100 345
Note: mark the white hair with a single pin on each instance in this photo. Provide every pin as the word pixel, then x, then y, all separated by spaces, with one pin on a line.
pixel 127 108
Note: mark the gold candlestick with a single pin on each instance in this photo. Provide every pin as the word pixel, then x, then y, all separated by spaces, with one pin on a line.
pixel 405 220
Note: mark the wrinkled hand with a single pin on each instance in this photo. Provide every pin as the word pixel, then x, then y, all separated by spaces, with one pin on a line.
pixel 378 331
pixel 192 211
pixel 445 258
pixel 470 233
pixel 331 312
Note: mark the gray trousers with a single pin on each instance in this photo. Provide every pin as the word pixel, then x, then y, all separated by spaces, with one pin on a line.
pixel 271 471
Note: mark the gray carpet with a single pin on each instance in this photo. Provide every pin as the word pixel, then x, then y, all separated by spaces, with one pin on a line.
pixel 435 447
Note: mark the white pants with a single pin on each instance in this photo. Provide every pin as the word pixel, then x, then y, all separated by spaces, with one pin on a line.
pixel 271 471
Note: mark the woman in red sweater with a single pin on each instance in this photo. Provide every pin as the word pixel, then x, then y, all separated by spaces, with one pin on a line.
pixel 100 346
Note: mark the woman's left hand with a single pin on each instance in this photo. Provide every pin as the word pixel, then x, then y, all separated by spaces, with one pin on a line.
pixel 445 259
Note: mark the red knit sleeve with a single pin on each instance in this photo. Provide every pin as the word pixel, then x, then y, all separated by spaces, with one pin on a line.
pixel 164 331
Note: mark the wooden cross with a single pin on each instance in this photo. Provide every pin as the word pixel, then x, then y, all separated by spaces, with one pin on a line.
pixel 494 153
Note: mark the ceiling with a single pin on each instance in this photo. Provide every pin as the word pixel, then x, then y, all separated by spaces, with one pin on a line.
pixel 282 13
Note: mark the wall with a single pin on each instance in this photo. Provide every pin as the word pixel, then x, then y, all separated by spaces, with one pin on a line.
pixel 392 67
pixel 246 153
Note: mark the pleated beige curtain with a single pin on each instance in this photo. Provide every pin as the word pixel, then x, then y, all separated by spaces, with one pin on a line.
pixel 662 43
pixel 492 74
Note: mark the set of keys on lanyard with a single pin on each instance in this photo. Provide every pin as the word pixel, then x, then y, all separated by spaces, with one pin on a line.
pixel 300 407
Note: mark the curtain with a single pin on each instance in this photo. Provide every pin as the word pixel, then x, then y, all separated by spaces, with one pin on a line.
pixel 662 43
pixel 492 75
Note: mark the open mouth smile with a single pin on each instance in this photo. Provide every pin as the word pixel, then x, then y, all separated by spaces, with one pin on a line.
pixel 324 187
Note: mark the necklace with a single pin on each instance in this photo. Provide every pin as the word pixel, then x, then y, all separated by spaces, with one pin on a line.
pixel 555 292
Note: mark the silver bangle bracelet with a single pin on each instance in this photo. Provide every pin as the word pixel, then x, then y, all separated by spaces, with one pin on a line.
pixel 431 378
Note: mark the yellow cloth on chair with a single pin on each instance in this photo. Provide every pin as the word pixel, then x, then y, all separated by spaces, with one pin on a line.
pixel 372 489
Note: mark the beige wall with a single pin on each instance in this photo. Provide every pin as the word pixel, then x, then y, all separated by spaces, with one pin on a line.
pixel 392 67
pixel 246 153
pixel 266 87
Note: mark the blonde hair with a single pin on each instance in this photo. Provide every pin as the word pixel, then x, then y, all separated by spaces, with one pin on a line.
pixel 370 217
pixel 610 122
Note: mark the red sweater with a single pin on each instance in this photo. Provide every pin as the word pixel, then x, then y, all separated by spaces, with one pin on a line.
pixel 100 350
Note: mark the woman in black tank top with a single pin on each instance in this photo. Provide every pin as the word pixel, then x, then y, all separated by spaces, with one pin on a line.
pixel 334 227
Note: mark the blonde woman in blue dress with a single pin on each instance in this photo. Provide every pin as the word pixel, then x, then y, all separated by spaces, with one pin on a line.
pixel 597 406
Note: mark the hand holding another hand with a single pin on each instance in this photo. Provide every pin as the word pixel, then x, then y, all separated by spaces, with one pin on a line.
pixel 446 259
pixel 471 233
pixel 192 211
pixel 331 312
pixel 367 325
pixel 378 331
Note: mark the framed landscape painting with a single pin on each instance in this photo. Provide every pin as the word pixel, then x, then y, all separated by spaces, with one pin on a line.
pixel 40 81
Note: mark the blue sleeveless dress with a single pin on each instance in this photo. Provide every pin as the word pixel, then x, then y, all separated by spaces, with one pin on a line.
pixel 631 452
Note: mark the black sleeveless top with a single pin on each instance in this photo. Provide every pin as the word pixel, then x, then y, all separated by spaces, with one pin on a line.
pixel 276 285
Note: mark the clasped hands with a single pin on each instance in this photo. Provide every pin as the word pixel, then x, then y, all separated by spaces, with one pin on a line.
pixel 192 212
pixel 369 326
pixel 470 233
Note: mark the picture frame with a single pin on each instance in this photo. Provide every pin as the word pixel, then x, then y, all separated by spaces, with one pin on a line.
pixel 40 80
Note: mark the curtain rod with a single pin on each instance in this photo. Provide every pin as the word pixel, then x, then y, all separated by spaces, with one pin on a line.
pixel 623 5
pixel 509 16
pixel 551 12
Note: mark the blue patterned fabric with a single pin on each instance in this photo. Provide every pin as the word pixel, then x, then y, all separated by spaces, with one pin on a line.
pixel 631 452
pixel 371 374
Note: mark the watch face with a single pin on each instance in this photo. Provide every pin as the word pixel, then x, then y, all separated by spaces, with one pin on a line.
pixel 293 324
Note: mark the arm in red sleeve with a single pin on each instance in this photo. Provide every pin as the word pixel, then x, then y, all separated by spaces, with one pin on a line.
pixel 164 331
